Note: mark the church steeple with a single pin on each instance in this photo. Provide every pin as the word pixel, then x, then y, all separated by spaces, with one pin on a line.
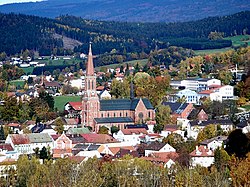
pixel 90 99
pixel 90 65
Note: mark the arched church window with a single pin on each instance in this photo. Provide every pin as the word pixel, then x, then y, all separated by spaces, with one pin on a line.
pixel 108 115
pixel 120 114
pixel 114 114
pixel 92 85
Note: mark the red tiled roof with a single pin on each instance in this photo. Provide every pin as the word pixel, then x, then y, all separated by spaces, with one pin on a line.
pixel 76 105
pixel 62 151
pixel 134 131
pixel 13 124
pixel 98 138
pixel 202 151
pixel 55 136
pixel 167 155
pixel 154 159
pixel 18 139
pixel 100 88
pixel 6 146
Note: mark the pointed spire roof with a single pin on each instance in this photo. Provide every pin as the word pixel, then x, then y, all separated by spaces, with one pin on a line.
pixel 90 65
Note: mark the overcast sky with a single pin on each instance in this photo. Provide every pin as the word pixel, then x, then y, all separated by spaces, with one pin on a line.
pixel 2 2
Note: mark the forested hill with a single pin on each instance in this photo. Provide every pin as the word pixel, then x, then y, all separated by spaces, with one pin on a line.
pixel 131 10
pixel 20 32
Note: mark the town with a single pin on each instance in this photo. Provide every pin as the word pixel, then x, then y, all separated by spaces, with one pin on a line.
pixel 104 103
pixel 187 126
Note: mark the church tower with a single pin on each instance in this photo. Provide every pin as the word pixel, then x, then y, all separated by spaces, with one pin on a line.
pixel 90 99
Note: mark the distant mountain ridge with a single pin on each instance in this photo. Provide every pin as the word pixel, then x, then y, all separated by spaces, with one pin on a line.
pixel 131 10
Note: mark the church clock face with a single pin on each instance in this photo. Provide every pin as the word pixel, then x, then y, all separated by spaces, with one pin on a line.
pixel 140 115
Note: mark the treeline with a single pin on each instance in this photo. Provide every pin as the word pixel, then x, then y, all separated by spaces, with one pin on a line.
pixel 20 32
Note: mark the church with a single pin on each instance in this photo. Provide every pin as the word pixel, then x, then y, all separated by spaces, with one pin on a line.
pixel 96 112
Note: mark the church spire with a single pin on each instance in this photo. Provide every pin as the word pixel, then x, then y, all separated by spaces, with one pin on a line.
pixel 90 65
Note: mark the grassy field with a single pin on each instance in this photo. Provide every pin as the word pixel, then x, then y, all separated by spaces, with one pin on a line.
pixel 60 101
pixel 28 70
pixel 211 51
pixel 239 40
pixel 236 41
pixel 18 83
pixel 133 63
pixel 247 107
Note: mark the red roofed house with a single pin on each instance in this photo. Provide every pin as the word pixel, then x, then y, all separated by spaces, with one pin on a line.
pixel 219 93
pixel 73 108
pixel 131 136
pixel 15 127
pixel 202 156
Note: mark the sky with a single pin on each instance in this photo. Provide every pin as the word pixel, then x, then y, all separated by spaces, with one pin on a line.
pixel 2 2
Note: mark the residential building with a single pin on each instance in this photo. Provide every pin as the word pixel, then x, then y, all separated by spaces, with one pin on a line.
pixel 196 84
pixel 202 156
pixel 155 147
pixel 219 93
pixel 179 110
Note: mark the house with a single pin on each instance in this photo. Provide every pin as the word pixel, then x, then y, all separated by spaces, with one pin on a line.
pixel 215 142
pixel 104 94
pixel 131 136
pixel 62 147
pixel 15 127
pixel 73 108
pixel 154 147
pixel 146 138
pixel 88 151
pixel 26 143
pixel 189 95
pixel 196 84
pixel 198 114
pixel 219 93
pixel 202 156
pixel 179 110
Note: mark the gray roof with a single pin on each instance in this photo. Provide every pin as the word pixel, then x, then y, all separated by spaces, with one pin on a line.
pixel 114 120
pixel 214 121
pixel 39 138
pixel 176 107
pixel 217 138
pixel 123 104
pixel 83 130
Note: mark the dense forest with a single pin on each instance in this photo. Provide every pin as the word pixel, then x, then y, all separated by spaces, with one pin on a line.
pixel 20 32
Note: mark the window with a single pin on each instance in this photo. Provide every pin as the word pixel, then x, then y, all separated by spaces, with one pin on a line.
pixel 120 114
pixel 108 115
pixel 114 114
pixel 102 115
pixel 126 114
pixel 149 114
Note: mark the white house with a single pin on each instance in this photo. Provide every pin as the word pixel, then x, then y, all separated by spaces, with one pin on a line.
pixel 218 94
pixel 130 136
pixel 104 95
pixel 196 84
pixel 156 147
pixel 26 143
pixel 190 96
pixel 202 156
pixel 214 143
pixel 78 83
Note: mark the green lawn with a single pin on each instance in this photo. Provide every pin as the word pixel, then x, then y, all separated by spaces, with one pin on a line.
pixel 59 61
pixel 236 41
pixel 211 51
pixel 239 40
pixel 133 63
pixel 60 101
pixel 18 83
pixel 28 70
pixel 247 107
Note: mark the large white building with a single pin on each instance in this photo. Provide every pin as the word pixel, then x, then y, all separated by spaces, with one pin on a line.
pixel 196 84
pixel 218 94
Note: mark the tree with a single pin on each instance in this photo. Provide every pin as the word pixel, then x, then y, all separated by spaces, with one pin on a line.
pixel 221 159
pixel 59 123
pixel 2 137
pixel 208 132
pixel 225 76
pixel 238 143
pixel 163 115
pixel 114 129
pixel 175 140
pixel 103 130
